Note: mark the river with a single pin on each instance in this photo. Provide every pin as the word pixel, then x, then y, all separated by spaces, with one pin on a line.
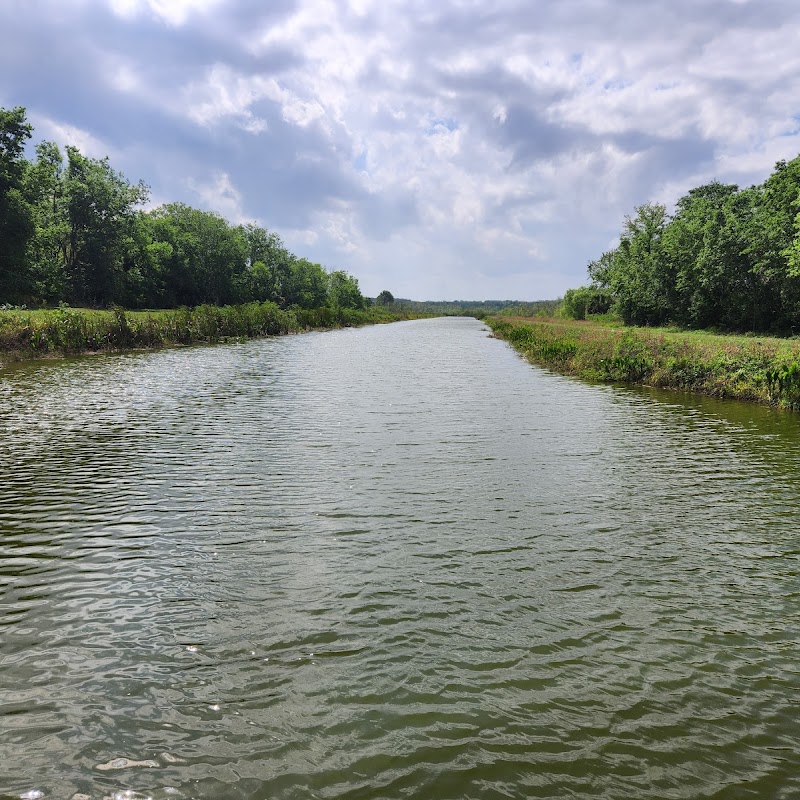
pixel 391 562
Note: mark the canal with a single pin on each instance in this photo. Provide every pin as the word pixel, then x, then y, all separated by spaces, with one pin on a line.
pixel 391 562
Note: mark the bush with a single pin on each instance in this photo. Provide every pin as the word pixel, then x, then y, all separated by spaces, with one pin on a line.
pixel 578 303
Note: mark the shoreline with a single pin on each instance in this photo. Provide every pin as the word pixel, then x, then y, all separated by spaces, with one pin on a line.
pixel 36 335
pixel 756 369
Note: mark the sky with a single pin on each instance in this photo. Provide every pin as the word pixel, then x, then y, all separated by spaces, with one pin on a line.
pixel 442 150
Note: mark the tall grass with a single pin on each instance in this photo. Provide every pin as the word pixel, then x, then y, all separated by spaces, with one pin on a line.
pixel 764 370
pixel 29 334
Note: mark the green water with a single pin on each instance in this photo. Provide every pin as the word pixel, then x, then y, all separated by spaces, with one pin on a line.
pixel 391 562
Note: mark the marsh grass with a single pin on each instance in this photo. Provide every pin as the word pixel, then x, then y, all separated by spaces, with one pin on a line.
pixel 758 369
pixel 31 334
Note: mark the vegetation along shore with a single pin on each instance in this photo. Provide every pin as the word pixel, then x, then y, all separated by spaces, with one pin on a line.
pixel 726 259
pixel 75 238
pixel 26 334
pixel 758 369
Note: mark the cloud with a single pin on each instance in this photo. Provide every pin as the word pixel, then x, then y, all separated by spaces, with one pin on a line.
pixel 68 135
pixel 456 149
pixel 220 194
pixel 173 12
pixel 223 93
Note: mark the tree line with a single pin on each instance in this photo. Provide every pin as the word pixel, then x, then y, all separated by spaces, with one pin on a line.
pixel 73 230
pixel 480 309
pixel 727 258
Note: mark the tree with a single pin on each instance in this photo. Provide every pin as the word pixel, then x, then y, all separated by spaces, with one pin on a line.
pixel 268 262
pixel 771 235
pixel 636 272
pixel 72 228
pixel 44 187
pixel 343 291
pixel 385 298
pixel 793 273
pixel 261 284
pixel 206 258
pixel 16 222
pixel 144 275
pixel 701 266
pixel 308 284
pixel 577 303
pixel 101 218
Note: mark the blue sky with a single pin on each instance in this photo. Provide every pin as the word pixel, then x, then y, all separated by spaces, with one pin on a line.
pixel 442 150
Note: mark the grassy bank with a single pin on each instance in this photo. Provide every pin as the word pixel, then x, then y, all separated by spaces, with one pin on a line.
pixel 34 334
pixel 757 369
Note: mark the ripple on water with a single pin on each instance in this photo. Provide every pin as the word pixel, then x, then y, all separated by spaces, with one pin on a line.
pixel 390 562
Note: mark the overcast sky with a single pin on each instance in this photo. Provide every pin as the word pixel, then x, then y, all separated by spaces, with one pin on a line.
pixel 447 149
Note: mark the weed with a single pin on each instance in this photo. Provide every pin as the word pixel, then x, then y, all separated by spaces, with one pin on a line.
pixel 755 369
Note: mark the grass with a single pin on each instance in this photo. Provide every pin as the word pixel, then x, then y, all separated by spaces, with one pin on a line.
pixel 758 369
pixel 62 331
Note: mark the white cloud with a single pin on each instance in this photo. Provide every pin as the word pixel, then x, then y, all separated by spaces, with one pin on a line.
pixel 340 228
pixel 219 194
pixel 224 93
pixel 501 142
pixel 173 12
pixel 64 134
pixel 757 57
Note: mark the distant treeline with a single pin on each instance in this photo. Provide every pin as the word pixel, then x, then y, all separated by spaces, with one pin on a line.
pixel 727 258
pixel 72 230
pixel 481 308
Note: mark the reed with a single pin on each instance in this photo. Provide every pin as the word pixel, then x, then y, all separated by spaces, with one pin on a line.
pixel 758 369
pixel 28 334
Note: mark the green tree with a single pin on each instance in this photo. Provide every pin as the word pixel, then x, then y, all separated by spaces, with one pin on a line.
pixel 343 291
pixel 771 234
pixel 44 186
pixel 792 254
pixel 16 221
pixel 577 303
pixel 692 247
pixel 205 260
pixel 261 285
pixel 144 284
pixel 268 262
pixel 636 273
pixel 307 286
pixel 750 301
pixel 385 298
pixel 101 215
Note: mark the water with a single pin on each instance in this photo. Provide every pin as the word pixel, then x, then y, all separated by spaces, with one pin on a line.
pixel 393 562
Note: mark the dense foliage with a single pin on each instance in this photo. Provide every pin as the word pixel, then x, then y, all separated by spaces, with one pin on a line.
pixel 578 303
pixel 727 258
pixel 72 229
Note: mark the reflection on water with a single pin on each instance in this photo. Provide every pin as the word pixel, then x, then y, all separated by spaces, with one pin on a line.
pixel 391 562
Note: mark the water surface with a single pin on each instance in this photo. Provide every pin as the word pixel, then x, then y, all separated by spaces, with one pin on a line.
pixel 391 562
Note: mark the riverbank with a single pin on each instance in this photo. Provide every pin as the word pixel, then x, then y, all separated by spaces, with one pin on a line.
pixel 757 369
pixel 28 335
